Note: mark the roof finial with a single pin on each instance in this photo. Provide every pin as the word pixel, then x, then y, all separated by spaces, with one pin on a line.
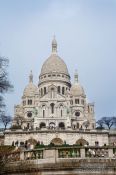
pixel 76 77
pixel 54 45
pixel 31 77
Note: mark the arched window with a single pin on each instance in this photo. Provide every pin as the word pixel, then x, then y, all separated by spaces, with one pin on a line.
pixel 63 90
pixel 76 101
pixel 29 102
pixel 43 110
pixel 42 125
pixel 44 90
pixel 61 125
pixel 59 89
pixel 77 125
pixel 61 112
pixel 52 93
pixel 52 108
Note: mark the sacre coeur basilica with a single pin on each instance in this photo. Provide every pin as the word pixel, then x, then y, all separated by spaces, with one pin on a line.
pixel 55 111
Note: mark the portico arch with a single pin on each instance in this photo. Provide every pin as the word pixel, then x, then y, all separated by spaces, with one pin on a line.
pixel 32 141
pixel 57 141
pixel 81 142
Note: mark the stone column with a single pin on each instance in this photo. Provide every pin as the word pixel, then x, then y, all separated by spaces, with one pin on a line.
pixel 110 152
pixel 82 151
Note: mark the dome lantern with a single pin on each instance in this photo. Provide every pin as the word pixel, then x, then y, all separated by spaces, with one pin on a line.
pixel 31 77
pixel 54 45
pixel 76 77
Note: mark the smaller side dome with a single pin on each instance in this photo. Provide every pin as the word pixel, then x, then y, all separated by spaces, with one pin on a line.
pixel 30 89
pixel 76 88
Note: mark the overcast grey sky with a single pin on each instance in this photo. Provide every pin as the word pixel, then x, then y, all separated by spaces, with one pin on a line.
pixel 86 35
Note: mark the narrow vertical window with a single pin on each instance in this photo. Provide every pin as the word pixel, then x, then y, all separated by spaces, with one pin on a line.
pixel 59 89
pixel 61 112
pixel 63 90
pixel 52 108
pixel 43 113
pixel 52 93
pixel 76 101
pixel 44 90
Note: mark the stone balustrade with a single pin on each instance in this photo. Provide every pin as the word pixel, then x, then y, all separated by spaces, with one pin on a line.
pixel 57 153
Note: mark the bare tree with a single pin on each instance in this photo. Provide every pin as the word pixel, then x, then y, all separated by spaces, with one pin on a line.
pixel 5 86
pixel 2 104
pixel 100 123
pixel 5 119
pixel 107 121
pixel 115 122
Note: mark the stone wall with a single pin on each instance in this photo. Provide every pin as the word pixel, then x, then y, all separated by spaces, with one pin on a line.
pixel 112 137
pixel 66 167
pixel 45 136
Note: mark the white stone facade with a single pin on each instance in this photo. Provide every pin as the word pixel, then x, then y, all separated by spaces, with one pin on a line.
pixel 55 103
pixel 54 106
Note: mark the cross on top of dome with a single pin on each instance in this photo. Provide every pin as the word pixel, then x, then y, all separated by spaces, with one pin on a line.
pixel 54 45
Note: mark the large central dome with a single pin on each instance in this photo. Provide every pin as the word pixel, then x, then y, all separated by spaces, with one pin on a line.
pixel 54 64
pixel 54 69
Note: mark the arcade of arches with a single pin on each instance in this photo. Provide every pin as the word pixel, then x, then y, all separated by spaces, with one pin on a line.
pixel 59 141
